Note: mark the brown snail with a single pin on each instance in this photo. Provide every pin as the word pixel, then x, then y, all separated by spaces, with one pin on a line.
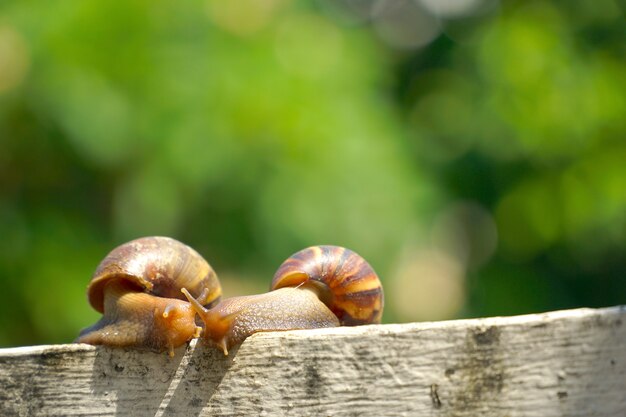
pixel 321 286
pixel 137 287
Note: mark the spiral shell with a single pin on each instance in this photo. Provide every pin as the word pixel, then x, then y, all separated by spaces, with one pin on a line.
pixel 156 265
pixel 346 282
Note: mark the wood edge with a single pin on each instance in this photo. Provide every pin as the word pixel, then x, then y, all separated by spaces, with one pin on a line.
pixel 526 319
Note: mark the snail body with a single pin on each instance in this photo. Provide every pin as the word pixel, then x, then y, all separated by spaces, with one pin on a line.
pixel 321 286
pixel 234 319
pixel 137 288
pixel 141 320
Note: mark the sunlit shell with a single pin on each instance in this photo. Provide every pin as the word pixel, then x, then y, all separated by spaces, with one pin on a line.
pixel 157 265
pixel 347 283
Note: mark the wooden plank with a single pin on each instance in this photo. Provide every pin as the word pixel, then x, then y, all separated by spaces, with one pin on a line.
pixel 565 363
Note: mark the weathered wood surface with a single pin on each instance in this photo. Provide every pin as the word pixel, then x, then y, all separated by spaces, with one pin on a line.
pixel 565 363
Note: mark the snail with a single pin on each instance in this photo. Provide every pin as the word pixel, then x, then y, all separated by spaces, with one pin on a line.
pixel 137 288
pixel 321 286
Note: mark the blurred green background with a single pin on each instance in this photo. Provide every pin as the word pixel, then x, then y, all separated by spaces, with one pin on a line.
pixel 472 150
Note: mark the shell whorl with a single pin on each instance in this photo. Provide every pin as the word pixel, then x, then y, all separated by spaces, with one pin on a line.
pixel 157 265
pixel 349 286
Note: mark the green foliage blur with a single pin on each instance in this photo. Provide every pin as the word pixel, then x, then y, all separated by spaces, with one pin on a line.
pixel 472 151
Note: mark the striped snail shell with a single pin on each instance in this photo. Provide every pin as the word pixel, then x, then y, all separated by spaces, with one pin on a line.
pixel 159 266
pixel 345 282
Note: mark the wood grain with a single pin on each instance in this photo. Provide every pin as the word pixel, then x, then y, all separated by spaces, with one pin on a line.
pixel 564 363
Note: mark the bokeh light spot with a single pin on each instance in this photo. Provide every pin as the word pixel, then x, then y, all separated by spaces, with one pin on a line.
pixel 14 58
pixel 243 17
pixel 308 45
pixel 428 285
pixel 404 24
pixel 467 232
pixel 451 9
